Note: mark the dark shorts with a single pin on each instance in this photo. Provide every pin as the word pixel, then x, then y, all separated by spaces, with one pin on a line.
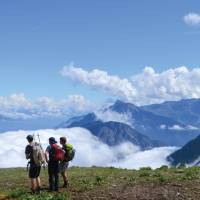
pixel 34 171
pixel 63 166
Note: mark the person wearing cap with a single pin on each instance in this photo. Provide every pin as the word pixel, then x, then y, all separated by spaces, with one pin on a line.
pixel 53 165
pixel 34 170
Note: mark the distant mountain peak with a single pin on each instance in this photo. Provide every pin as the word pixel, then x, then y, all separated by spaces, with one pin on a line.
pixel 122 103
pixel 119 102
pixel 122 107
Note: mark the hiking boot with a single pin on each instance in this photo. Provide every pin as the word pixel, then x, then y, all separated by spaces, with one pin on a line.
pixel 51 189
pixel 33 191
pixel 66 184
pixel 38 190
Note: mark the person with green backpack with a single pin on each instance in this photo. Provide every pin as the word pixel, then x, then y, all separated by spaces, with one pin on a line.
pixel 69 155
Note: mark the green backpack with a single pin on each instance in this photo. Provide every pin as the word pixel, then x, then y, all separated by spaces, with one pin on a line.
pixel 69 152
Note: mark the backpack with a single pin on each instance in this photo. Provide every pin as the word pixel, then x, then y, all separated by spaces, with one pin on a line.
pixel 59 154
pixel 38 154
pixel 69 152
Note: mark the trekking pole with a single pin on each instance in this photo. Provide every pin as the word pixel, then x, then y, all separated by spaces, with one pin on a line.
pixel 27 165
pixel 38 137
pixel 39 140
pixel 33 137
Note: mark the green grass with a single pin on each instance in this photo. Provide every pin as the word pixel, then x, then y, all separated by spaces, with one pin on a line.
pixel 15 183
pixel 23 195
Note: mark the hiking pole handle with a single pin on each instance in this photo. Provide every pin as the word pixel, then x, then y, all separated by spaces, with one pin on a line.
pixel 38 137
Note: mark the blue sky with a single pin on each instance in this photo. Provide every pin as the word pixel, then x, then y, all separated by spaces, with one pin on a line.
pixel 121 37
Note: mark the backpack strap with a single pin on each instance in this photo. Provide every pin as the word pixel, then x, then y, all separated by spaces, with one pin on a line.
pixel 52 151
pixel 28 164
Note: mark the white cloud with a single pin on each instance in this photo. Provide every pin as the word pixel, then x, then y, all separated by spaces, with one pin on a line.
pixel 99 79
pixel 109 115
pixel 144 88
pixel 17 106
pixel 154 158
pixel 89 150
pixel 176 127
pixel 193 128
pixel 15 102
pixel 192 19
pixel 163 126
pixel 172 84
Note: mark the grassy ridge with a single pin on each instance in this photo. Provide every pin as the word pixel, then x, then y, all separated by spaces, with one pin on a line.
pixel 108 183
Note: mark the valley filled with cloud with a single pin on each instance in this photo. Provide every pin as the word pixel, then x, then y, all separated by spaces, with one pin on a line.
pixel 89 150
pixel 144 88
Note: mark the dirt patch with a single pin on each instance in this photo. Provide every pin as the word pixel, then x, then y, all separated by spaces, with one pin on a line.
pixel 3 197
pixel 146 191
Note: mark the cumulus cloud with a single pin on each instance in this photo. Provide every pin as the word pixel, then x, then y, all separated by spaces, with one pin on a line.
pixel 172 84
pixel 17 106
pixel 192 19
pixel 89 150
pixel 99 79
pixel 144 88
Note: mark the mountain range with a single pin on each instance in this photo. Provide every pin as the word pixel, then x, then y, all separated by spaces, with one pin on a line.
pixel 160 130
pixel 186 111
pixel 155 126
pixel 172 123
pixel 112 133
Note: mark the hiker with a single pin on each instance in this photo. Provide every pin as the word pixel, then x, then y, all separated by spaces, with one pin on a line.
pixel 64 163
pixel 51 154
pixel 34 169
pixel 69 153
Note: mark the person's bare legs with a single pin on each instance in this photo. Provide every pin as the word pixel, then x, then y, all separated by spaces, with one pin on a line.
pixel 33 184
pixel 65 178
pixel 38 183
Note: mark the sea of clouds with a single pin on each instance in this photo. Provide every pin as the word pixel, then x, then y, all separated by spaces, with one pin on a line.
pixel 89 150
